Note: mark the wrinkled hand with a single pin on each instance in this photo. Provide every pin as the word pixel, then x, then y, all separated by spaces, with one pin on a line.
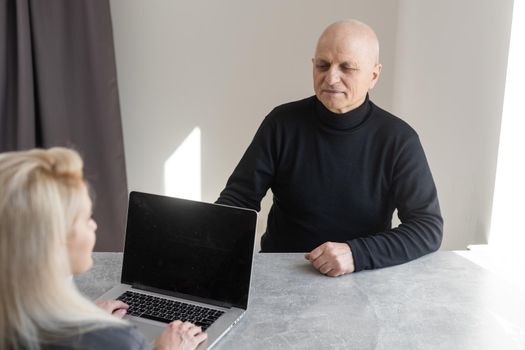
pixel 332 259
pixel 180 336
pixel 115 307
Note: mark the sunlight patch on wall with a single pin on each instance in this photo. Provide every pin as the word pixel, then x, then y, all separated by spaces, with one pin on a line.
pixel 507 232
pixel 182 170
pixel 504 253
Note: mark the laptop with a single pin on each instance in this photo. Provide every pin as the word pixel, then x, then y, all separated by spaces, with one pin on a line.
pixel 185 260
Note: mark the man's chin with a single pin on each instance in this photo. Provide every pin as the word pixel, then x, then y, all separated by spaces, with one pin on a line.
pixel 333 107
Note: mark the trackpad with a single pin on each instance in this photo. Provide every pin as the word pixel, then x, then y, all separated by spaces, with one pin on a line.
pixel 149 329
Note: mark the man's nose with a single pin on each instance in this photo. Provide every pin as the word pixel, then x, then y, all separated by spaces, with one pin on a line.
pixel 333 76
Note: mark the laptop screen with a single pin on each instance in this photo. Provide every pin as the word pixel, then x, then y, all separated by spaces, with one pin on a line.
pixel 198 249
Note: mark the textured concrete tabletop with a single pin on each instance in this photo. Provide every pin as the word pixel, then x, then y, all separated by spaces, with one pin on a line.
pixel 440 301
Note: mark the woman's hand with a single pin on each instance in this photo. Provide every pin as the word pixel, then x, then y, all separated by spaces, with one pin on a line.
pixel 115 307
pixel 180 336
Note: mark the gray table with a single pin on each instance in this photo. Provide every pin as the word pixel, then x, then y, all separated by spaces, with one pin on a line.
pixel 441 301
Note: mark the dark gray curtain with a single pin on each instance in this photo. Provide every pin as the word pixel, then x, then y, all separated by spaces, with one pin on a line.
pixel 58 87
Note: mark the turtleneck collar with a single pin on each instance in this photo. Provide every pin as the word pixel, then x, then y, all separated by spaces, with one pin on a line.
pixel 343 121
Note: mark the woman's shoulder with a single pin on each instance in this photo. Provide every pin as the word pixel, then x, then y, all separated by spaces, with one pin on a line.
pixel 112 337
pixel 115 337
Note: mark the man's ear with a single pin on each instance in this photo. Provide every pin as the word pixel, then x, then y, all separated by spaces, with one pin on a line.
pixel 375 75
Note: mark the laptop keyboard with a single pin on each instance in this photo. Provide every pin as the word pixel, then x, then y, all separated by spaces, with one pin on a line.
pixel 166 310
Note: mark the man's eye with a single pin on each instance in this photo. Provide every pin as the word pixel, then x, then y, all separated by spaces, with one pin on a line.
pixel 323 67
pixel 349 69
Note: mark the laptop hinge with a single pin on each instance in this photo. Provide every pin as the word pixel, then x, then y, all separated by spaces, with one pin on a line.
pixel 181 295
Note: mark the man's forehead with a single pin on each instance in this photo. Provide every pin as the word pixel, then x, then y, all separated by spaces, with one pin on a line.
pixel 340 53
pixel 355 57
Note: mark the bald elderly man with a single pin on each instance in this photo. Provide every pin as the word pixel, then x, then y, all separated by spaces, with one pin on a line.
pixel 339 166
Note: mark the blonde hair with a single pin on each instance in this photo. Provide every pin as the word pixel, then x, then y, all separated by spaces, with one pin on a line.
pixel 39 201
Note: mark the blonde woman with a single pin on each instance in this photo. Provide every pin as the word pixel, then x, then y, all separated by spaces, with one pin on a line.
pixel 46 235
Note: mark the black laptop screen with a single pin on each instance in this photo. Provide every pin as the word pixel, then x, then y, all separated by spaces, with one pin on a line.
pixel 198 249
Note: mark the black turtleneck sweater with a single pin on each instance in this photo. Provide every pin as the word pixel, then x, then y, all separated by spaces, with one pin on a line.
pixel 339 177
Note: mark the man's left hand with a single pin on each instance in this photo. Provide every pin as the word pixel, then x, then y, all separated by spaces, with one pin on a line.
pixel 332 259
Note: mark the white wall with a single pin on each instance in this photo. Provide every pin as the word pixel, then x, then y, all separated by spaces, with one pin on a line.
pixel 222 66
pixel 449 85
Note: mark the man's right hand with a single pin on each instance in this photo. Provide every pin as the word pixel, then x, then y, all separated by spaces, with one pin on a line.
pixel 332 259
pixel 180 335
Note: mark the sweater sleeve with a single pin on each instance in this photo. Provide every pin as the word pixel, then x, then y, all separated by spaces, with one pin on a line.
pixel 111 337
pixel 253 176
pixel 414 195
